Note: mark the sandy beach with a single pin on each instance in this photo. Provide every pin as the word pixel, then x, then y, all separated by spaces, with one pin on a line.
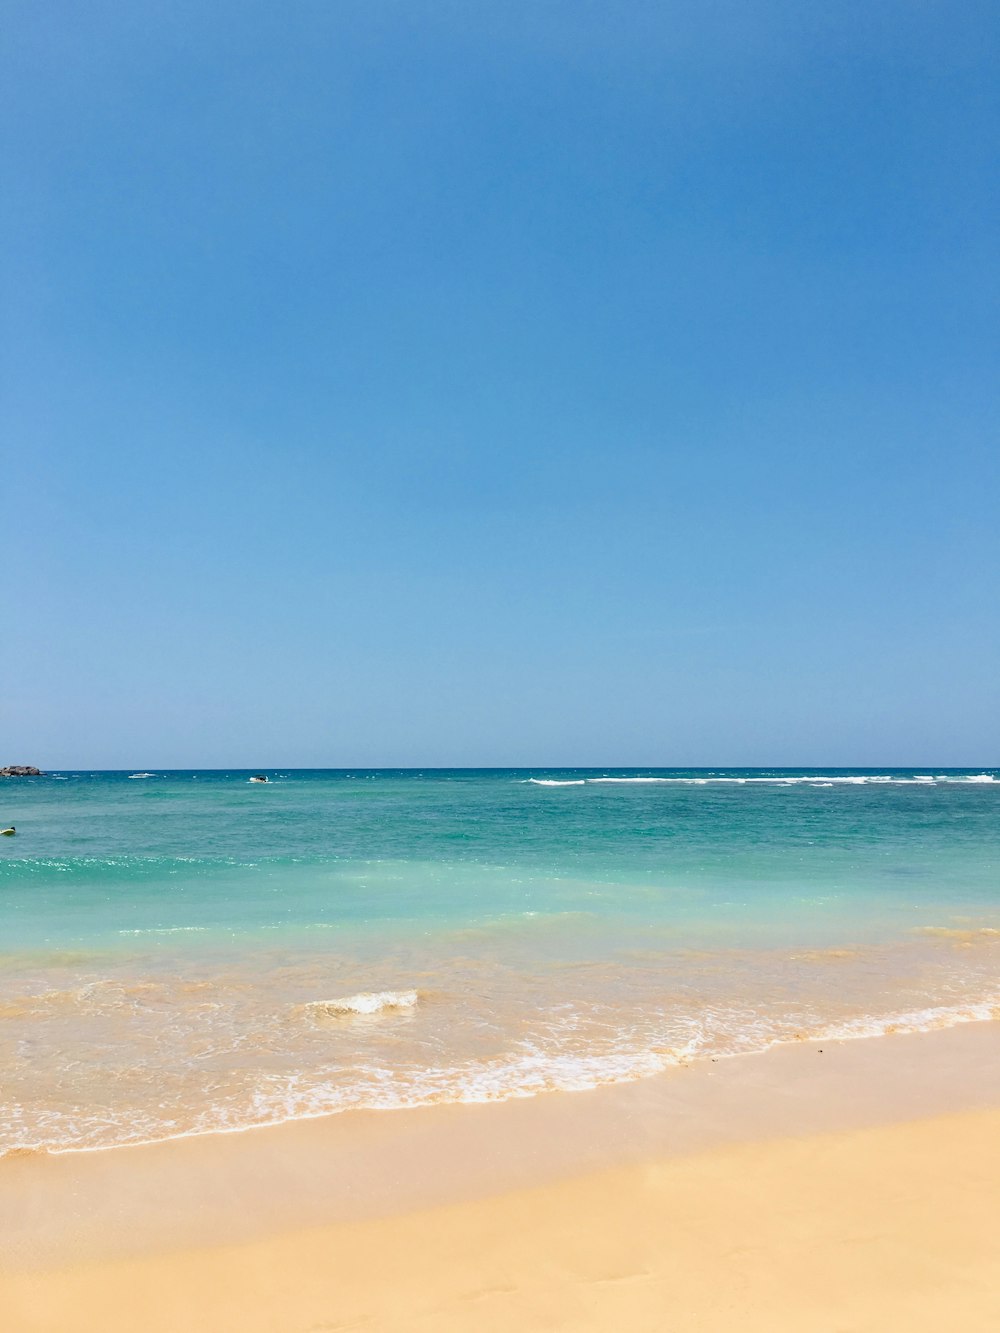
pixel 845 1187
pixel 499 751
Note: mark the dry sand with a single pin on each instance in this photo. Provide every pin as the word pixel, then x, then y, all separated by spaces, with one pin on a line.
pixel 854 1190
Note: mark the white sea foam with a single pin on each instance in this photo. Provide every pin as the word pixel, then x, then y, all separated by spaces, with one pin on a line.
pixel 365 1002
pixel 801 779
pixel 915 1020
pixel 528 1068
pixel 558 782
pixel 142 775
pixel 164 930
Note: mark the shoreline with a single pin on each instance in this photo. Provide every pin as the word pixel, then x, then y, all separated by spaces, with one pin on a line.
pixel 354 1165
pixel 852 1189
pixel 985 1010
pixel 933 1018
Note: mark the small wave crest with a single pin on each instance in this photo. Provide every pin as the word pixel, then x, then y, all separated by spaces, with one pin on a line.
pixel 932 1019
pixel 783 780
pixel 530 1065
pixel 365 1002
pixel 165 930
pixel 142 775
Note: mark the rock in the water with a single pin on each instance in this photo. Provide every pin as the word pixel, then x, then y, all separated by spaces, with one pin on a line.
pixel 20 771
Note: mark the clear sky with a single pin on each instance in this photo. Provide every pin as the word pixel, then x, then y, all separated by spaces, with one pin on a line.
pixel 538 383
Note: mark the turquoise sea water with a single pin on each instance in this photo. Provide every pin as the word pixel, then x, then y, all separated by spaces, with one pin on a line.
pixel 188 951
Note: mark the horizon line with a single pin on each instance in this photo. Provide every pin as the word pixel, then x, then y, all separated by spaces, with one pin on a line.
pixel 486 768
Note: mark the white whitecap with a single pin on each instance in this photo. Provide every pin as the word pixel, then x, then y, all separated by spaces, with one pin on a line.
pixel 365 1002
pixel 931 1019
pixel 165 930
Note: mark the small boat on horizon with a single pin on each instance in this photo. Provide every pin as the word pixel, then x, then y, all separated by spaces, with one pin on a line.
pixel 259 777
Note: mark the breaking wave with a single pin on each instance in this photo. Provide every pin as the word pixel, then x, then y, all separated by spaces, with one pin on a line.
pixel 931 1019
pixel 784 780
pixel 366 1002
pixel 525 1070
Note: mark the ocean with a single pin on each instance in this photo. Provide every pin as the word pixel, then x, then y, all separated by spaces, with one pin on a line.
pixel 191 952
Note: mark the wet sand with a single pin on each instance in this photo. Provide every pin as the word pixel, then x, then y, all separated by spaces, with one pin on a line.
pixel 848 1187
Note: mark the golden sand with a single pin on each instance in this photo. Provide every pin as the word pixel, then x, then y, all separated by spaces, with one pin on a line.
pixel 873 1226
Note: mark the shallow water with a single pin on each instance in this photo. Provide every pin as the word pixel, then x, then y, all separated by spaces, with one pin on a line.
pixel 185 952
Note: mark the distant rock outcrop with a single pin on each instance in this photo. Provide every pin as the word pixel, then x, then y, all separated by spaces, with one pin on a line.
pixel 20 771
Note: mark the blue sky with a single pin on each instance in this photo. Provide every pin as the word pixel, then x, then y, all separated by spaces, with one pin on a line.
pixel 535 383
